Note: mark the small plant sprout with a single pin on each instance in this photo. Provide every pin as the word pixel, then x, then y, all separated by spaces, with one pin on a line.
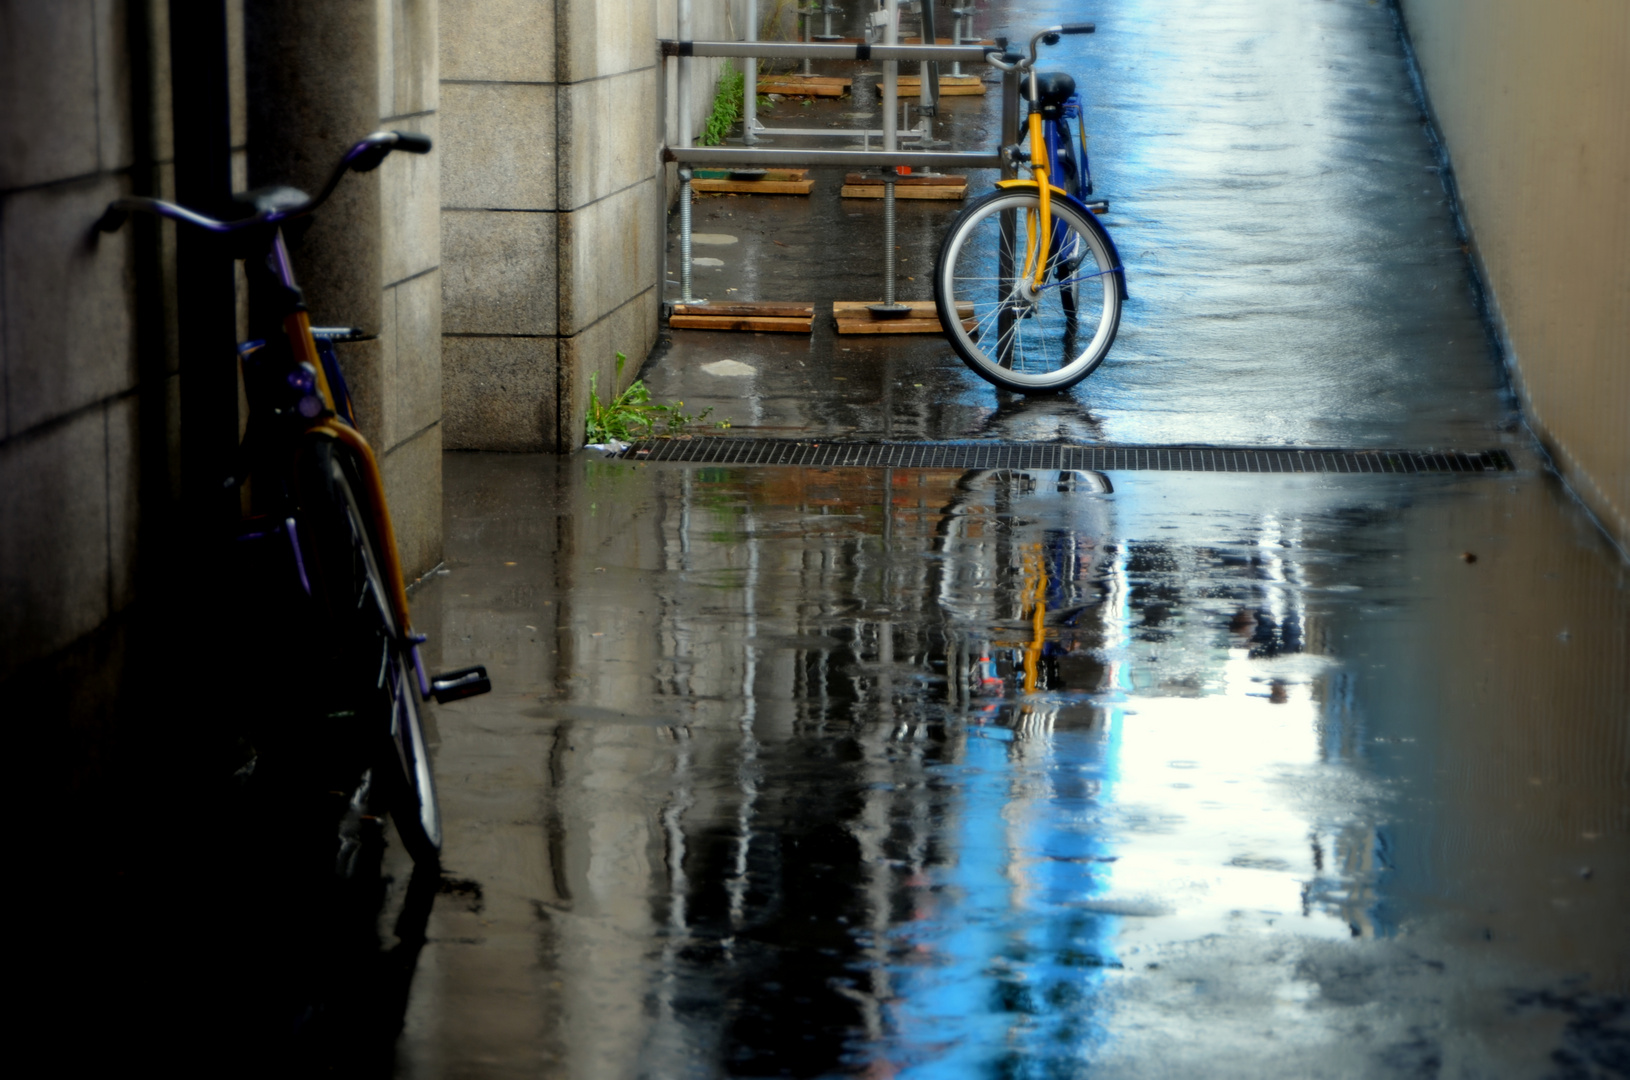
pixel 633 415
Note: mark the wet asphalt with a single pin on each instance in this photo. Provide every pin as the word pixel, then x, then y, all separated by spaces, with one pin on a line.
pixel 943 773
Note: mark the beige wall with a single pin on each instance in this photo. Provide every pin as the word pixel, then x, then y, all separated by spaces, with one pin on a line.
pixel 90 391
pixel 552 207
pixel 1534 104
pixel 321 75
pixel 70 406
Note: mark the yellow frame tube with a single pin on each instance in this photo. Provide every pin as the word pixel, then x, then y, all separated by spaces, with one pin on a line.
pixel 351 437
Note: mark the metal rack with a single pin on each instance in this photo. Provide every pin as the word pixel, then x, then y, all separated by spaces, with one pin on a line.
pixel 890 53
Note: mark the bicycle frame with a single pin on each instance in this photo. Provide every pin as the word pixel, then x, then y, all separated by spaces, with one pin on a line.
pixel 1044 149
pixel 324 411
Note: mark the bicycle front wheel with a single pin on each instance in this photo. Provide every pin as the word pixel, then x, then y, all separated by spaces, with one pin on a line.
pixel 1023 331
pixel 370 678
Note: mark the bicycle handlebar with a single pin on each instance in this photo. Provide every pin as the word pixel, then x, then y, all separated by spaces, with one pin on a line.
pixel 364 156
pixel 1049 35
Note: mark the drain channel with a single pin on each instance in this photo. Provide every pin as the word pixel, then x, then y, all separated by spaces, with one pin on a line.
pixel 1015 455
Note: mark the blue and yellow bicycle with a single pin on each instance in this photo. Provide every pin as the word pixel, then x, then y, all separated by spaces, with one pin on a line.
pixel 1041 273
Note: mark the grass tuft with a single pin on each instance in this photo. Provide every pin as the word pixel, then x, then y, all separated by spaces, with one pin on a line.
pixel 633 415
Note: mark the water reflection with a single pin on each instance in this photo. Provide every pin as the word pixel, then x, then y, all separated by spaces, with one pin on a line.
pixel 818 772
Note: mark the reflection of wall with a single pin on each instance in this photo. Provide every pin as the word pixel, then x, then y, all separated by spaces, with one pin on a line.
pixel 1533 111
pixel 1506 703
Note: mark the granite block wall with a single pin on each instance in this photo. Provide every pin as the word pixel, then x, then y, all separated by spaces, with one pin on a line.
pixel 553 206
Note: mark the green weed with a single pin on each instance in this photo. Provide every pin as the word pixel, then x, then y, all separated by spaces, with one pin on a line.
pixel 633 415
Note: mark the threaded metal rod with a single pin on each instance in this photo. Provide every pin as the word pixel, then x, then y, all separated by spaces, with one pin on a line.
pixel 684 237
pixel 888 239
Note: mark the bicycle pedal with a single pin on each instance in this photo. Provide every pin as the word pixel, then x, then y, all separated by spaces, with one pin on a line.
pixel 1098 206
pixel 460 684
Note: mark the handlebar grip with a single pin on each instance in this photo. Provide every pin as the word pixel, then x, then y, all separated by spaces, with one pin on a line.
pixel 412 142
pixel 1079 28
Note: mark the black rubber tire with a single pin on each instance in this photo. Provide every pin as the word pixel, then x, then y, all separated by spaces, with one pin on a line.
pixel 1041 350
pixel 368 681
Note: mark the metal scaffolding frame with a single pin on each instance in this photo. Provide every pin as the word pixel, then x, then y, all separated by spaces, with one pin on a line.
pixel 890 53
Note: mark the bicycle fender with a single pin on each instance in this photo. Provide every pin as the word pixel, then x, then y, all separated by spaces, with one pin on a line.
pixel 1092 219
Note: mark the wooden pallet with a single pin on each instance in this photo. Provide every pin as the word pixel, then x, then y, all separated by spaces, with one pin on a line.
pixel 853 318
pixel 950 85
pixel 760 316
pixel 804 85
pixel 754 187
pixel 863 186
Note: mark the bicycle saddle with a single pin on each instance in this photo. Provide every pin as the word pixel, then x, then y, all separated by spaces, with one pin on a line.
pixel 1055 87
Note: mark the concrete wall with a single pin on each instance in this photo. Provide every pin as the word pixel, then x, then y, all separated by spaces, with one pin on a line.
pixel 552 207
pixel 71 401
pixel 97 593
pixel 1534 104
pixel 321 75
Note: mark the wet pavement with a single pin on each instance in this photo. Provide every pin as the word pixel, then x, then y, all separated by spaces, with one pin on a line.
pixel 809 772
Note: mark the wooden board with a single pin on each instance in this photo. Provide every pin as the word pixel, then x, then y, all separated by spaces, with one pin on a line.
pixel 744 322
pixel 853 318
pixel 903 191
pixel 754 187
pixel 909 180
pixel 769 174
pixel 950 85
pixel 804 86
pixel 745 315
pixel 749 307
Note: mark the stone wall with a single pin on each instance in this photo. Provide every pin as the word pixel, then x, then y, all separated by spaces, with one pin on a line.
pixel 100 414
pixel 553 204
pixel 1532 103
pixel 75 392
pixel 321 75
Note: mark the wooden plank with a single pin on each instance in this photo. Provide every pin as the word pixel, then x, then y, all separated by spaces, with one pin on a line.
pixel 910 179
pixel 716 322
pixel 912 85
pixel 875 191
pixel 754 187
pixel 769 174
pixel 801 87
pixel 919 308
pixel 854 317
pixel 890 326
pixel 772 308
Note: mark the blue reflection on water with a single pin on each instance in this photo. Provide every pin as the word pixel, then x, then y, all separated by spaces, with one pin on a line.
pixel 1006 956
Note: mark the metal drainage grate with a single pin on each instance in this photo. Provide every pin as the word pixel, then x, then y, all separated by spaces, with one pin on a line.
pixel 1007 455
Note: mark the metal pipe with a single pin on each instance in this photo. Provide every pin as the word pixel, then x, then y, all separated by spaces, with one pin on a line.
pixel 685 63
pixel 763 155
pixel 1010 121
pixel 809 32
pixel 685 135
pixel 749 74
pixel 929 91
pixel 891 77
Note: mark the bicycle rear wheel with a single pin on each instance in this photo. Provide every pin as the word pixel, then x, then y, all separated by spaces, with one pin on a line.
pixel 368 678
pixel 1020 337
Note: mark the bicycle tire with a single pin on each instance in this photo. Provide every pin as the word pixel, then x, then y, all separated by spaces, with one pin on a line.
pixel 368 670
pixel 1024 340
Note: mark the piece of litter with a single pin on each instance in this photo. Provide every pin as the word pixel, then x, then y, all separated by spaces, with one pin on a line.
pixel 530 627
pixel 610 448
